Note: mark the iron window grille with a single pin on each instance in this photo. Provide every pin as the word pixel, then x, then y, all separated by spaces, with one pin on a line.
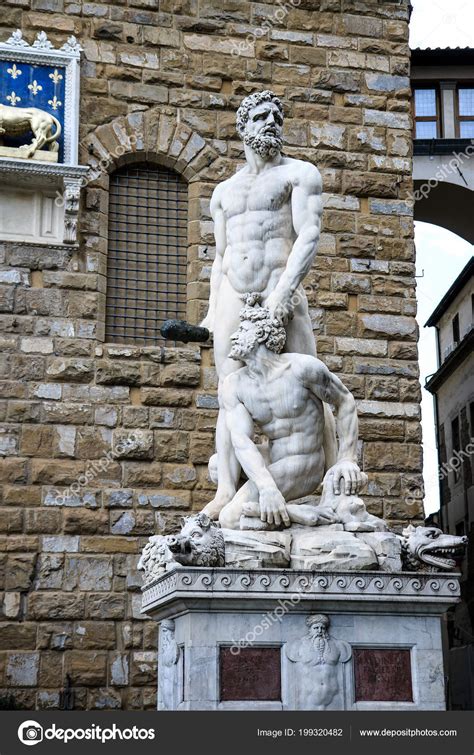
pixel 147 252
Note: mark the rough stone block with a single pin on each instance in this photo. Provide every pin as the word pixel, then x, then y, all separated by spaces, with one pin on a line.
pixel 119 669
pixel 134 444
pixel 398 328
pixel 49 572
pixel 164 499
pixel 80 370
pixel 180 375
pixel 94 635
pixel 106 606
pixel 330 549
pixel 165 397
pixel 37 345
pixel 86 668
pixel 19 571
pixel 60 544
pixel 88 573
pixel 117 373
pixel 388 457
pixel 254 550
pixel 15 636
pixel 22 669
pixel 144 668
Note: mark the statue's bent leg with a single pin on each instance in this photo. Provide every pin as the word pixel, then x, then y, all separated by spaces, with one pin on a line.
pixel 299 330
pixel 294 476
pixel 228 468
pixel 229 517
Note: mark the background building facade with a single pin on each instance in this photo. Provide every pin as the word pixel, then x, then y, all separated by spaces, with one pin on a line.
pixel 443 130
pixel 94 403
pixel 452 386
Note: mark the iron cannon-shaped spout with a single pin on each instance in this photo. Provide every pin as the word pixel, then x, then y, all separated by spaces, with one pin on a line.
pixel 180 330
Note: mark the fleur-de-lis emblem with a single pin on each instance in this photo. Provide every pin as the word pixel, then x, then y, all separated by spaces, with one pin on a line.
pixel 55 103
pixel 42 41
pixel 35 88
pixel 56 76
pixel 14 71
pixel 13 98
pixel 16 40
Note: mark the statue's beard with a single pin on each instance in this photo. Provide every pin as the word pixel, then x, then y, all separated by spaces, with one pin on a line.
pixel 265 145
pixel 240 350
pixel 314 636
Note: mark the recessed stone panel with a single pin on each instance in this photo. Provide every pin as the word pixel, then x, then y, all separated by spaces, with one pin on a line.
pixel 251 674
pixel 382 674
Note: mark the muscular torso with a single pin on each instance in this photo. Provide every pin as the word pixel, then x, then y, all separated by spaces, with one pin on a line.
pixel 290 416
pixel 320 685
pixel 259 227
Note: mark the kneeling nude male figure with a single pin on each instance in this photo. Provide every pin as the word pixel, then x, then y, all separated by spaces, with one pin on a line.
pixel 283 395
pixel 266 225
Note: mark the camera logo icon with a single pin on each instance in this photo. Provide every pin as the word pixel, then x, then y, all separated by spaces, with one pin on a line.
pixel 30 733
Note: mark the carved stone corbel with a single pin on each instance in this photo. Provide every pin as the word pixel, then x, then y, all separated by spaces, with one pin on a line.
pixel 72 193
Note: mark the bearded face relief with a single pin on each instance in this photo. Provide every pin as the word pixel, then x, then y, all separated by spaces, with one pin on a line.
pixel 317 626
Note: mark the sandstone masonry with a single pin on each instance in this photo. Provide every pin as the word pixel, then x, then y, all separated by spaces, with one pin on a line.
pixel 129 429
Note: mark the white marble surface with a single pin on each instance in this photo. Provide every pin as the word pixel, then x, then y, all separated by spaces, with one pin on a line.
pixel 206 616
pixel 211 608
pixel 267 220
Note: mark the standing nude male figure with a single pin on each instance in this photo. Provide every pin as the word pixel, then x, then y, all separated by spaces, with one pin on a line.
pixel 267 221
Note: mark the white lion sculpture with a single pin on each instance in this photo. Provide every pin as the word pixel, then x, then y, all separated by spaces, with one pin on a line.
pixel 17 121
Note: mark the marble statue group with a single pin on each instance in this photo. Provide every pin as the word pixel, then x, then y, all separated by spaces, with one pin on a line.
pixel 286 466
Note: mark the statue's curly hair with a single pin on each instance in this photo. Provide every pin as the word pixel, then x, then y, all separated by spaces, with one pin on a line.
pixel 270 330
pixel 252 101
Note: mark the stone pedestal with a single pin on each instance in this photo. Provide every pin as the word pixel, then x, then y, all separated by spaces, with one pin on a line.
pixel 43 155
pixel 271 639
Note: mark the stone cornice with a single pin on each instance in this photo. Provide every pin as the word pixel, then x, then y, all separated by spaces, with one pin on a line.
pixel 193 583
pixel 11 166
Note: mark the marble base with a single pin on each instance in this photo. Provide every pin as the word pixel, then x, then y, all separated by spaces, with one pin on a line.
pixel 273 639
pixel 43 155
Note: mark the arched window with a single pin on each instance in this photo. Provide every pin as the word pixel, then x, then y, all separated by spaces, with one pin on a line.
pixel 147 252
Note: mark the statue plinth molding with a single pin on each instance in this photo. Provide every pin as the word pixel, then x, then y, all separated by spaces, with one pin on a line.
pixel 236 585
pixel 205 614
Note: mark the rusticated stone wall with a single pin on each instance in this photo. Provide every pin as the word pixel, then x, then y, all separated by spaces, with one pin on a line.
pixel 161 80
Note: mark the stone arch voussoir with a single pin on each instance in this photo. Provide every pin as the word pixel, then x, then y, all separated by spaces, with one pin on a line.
pixel 155 135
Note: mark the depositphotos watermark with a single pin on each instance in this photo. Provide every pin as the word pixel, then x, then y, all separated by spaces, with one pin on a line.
pixel 279 15
pixel 32 733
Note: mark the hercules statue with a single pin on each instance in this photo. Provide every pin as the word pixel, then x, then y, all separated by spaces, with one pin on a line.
pixel 267 220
